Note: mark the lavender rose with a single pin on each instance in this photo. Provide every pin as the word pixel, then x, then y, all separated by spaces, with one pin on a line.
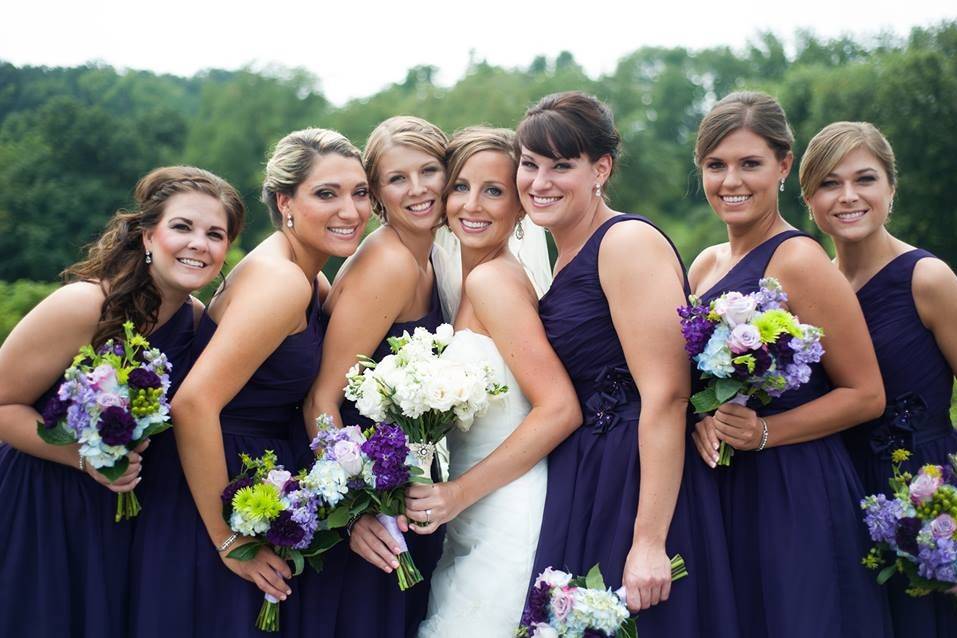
pixel 944 526
pixel 922 488
pixel 744 337
pixel 735 307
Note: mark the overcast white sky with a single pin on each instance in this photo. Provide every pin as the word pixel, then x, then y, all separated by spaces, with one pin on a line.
pixel 356 47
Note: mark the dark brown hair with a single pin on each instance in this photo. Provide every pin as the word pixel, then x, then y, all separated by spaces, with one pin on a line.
pixel 570 124
pixel 116 261
pixel 751 110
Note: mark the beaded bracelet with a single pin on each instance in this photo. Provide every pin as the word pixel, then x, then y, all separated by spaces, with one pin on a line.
pixel 82 463
pixel 227 543
pixel 764 434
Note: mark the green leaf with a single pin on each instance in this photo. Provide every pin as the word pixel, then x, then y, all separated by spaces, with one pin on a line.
pixel 339 517
pixel 325 540
pixel 594 579
pixel 115 472
pixel 246 551
pixel 628 629
pixel 298 562
pixel 316 562
pixel 725 389
pixel 885 574
pixel 57 435
pixel 360 505
pixel 705 401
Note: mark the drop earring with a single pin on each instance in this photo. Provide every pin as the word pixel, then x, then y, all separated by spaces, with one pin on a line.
pixel 148 258
pixel 289 220
pixel 781 187
pixel 597 190
pixel 519 231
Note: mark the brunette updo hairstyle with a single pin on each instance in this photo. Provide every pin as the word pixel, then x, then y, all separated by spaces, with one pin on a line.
pixel 400 130
pixel 757 112
pixel 828 148
pixel 567 125
pixel 292 160
pixel 116 261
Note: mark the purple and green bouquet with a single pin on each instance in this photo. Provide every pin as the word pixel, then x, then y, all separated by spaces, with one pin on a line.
pixel 288 513
pixel 747 346
pixel 564 606
pixel 917 527
pixel 369 470
pixel 112 399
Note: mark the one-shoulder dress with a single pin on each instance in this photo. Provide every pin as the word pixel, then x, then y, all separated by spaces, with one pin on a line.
pixel 593 476
pixel 64 566
pixel 181 587
pixel 918 382
pixel 359 599
pixel 793 519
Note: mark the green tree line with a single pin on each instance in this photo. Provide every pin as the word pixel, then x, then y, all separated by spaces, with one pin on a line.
pixel 73 141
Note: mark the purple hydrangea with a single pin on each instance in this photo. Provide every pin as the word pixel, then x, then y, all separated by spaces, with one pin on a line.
pixel 54 411
pixel 906 536
pixel 536 609
pixel 807 350
pixel 284 531
pixel 881 515
pixel 938 560
pixel 116 426
pixel 695 328
pixel 796 375
pixel 143 378
pixel 771 295
pixel 303 509
pixel 230 491
pixel 388 450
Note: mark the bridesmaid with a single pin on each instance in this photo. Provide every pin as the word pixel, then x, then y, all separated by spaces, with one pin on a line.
pixel 619 490
pixel 260 339
pixel 909 298
pixel 791 505
pixel 387 288
pixel 63 552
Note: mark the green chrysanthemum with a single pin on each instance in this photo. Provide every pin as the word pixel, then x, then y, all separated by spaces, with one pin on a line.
pixel 258 502
pixel 772 323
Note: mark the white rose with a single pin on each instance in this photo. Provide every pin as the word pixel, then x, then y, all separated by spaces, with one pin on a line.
pixel 553 578
pixel 278 478
pixel 348 456
pixel 735 307
pixel 541 630
pixel 444 334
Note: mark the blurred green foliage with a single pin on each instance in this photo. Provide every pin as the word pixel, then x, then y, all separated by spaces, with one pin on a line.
pixel 73 141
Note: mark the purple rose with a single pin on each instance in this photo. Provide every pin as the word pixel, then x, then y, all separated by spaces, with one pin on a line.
pixel 54 411
pixel 142 378
pixel 116 426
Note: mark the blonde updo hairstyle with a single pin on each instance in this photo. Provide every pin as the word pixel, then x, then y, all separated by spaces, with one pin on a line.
pixel 293 159
pixel 757 112
pixel 401 130
pixel 832 144
pixel 471 141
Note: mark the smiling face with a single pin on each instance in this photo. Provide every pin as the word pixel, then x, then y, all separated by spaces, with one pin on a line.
pixel 330 207
pixel 483 205
pixel 189 243
pixel 556 192
pixel 853 200
pixel 410 188
pixel 741 177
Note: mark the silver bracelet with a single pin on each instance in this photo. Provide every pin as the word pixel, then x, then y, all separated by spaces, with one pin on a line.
pixel 82 464
pixel 764 434
pixel 227 543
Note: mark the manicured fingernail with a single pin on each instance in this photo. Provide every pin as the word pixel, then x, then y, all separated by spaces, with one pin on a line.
pixel 395 564
pixel 139 480
pixel 289 592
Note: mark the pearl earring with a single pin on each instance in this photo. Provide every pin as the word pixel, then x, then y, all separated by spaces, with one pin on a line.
pixel 597 190
pixel 149 257
pixel 289 220
pixel 781 188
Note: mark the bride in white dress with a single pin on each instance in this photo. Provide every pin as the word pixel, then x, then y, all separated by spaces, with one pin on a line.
pixel 492 503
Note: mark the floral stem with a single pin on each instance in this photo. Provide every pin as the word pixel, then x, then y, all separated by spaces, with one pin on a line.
pixel 725 452
pixel 407 574
pixel 678 568
pixel 268 619
pixel 127 506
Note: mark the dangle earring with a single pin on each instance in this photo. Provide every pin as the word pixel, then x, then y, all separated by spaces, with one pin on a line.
pixel 781 188
pixel 289 220
pixel 597 190
pixel 519 231
pixel 149 257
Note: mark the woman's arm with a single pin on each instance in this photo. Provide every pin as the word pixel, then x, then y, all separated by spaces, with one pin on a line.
pixel 267 302
pixel 508 309
pixel 33 357
pixel 371 295
pixel 643 282
pixel 934 287
pixel 819 295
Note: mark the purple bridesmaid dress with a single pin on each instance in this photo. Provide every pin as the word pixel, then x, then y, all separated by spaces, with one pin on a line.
pixel 180 585
pixel 64 566
pixel 351 597
pixel 593 476
pixel 793 519
pixel 918 382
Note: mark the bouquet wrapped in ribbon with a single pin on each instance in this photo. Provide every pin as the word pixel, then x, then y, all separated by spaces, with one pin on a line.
pixel 369 471
pixel 747 346
pixel 917 527
pixel 564 606
pixel 111 400
pixel 421 391
pixel 287 513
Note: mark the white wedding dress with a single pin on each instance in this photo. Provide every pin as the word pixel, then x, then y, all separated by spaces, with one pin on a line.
pixel 479 586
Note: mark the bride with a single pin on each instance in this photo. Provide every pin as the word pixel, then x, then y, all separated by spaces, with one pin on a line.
pixel 492 503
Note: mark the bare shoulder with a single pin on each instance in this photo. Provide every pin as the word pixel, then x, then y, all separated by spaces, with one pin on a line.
pixel 268 279
pixel 934 287
pixel 80 302
pixel 628 236
pixel 382 258
pixel 801 257
pixel 706 261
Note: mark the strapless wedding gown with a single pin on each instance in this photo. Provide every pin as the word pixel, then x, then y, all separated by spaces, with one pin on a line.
pixel 479 585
